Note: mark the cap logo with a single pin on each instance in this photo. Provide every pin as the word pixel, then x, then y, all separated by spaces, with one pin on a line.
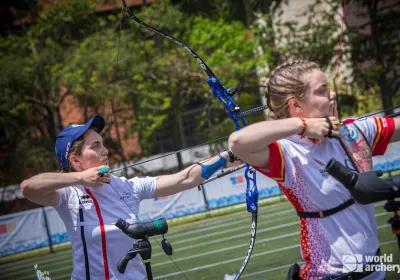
pixel 76 125
pixel 67 150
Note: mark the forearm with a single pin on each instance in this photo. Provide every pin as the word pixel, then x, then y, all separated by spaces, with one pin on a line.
pixel 185 179
pixel 45 183
pixel 200 174
pixel 256 137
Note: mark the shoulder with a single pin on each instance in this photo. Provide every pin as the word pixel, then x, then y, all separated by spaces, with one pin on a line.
pixel 135 182
pixel 69 195
pixel 294 144
pixel 367 123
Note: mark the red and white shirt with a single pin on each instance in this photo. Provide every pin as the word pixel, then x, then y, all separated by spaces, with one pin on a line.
pixel 89 215
pixel 298 167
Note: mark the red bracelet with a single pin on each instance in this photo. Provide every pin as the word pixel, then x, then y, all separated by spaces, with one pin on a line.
pixel 304 127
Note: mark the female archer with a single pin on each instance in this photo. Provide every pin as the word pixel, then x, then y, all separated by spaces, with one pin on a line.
pixel 90 202
pixel 292 147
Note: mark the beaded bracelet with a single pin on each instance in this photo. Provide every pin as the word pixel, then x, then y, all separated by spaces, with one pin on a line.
pixel 304 127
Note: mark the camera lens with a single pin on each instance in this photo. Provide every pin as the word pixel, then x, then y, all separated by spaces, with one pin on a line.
pixel 120 223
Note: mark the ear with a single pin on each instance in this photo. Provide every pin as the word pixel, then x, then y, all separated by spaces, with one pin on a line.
pixel 75 162
pixel 295 108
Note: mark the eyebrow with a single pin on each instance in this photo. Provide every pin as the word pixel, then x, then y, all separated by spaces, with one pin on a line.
pixel 321 85
pixel 94 143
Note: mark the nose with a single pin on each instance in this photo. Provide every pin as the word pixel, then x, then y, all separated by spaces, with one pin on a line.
pixel 104 152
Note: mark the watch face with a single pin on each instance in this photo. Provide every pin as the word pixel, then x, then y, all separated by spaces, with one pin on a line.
pixel 356 146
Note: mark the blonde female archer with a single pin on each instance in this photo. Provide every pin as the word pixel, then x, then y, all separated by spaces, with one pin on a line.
pixel 292 147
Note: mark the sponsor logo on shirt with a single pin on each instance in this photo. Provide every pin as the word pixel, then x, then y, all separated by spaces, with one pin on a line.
pixel 125 196
pixel 85 199
pixel 323 172
pixel 384 122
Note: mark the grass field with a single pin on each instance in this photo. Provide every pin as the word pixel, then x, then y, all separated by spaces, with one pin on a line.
pixel 213 247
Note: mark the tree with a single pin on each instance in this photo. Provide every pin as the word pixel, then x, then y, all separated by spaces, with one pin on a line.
pixel 370 49
pixel 32 88
pixel 71 52
pixel 157 80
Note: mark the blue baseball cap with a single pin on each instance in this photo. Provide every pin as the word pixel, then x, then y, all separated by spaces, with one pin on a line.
pixel 72 132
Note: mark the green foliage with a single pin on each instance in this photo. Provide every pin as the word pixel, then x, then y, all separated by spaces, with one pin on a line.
pixel 33 59
pixel 155 78
pixel 155 85
pixel 370 49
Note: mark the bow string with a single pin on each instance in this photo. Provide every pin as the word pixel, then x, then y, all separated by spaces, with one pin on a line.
pixel 236 115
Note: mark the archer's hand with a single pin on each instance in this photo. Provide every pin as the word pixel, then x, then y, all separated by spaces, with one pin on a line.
pixel 318 128
pixel 91 178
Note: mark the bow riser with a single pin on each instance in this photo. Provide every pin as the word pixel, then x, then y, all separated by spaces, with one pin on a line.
pixel 251 190
pixel 233 110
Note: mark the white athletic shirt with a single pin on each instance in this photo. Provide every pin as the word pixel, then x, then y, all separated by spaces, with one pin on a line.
pixel 298 167
pixel 89 214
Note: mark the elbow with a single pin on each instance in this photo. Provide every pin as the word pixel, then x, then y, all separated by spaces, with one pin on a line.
pixel 188 181
pixel 234 142
pixel 26 189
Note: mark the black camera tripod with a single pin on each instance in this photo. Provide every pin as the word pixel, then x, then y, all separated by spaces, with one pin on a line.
pixel 143 248
pixel 394 206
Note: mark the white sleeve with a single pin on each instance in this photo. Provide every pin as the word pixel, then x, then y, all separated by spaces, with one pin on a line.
pixel 64 195
pixel 378 132
pixel 143 186
pixel 368 128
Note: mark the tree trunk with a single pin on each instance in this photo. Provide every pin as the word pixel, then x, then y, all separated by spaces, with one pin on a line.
pixel 386 91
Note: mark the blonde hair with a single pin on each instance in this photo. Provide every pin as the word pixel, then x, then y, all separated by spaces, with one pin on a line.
pixel 76 150
pixel 285 82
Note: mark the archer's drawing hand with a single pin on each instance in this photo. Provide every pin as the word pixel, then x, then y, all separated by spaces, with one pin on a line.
pixel 318 128
pixel 92 178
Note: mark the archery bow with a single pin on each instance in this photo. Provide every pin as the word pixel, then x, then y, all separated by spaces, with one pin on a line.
pixel 235 113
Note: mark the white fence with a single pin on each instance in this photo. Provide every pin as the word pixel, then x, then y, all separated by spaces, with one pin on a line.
pixel 27 230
